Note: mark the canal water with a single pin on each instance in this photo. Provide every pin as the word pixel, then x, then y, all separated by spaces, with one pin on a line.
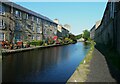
pixel 55 64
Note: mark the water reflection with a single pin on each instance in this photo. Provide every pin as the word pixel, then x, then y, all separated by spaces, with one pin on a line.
pixel 54 64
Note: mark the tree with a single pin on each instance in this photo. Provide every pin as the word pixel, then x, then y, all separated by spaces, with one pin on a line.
pixel 79 36
pixel 72 37
pixel 86 35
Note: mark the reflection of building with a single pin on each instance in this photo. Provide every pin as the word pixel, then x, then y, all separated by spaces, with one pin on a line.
pixel 62 31
pixel 20 24
pixel 92 31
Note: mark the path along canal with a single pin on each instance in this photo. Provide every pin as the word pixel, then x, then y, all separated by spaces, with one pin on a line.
pixel 53 64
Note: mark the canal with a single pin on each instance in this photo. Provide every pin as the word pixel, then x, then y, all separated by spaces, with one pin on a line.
pixel 54 64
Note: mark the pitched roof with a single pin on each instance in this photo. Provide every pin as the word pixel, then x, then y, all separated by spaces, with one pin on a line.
pixel 27 10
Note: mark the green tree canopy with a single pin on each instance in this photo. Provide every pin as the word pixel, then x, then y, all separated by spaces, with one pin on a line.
pixel 86 35
pixel 79 36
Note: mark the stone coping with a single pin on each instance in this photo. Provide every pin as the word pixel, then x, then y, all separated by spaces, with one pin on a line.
pixel 5 51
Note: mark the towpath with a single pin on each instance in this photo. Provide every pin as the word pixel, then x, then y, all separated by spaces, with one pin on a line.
pixel 99 71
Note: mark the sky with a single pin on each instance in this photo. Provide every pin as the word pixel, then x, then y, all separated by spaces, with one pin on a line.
pixel 79 15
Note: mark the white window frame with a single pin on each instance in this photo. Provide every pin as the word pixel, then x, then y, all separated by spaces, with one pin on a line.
pixel 27 16
pixel 37 20
pixel 32 18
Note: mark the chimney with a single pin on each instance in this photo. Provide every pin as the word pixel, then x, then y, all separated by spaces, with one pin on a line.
pixel 56 21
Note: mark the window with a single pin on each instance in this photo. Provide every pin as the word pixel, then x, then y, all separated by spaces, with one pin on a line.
pixel 32 28
pixel 17 26
pixel 38 37
pixel 17 13
pixel 1 36
pixel 37 20
pixel 12 10
pixel 2 24
pixel 17 37
pixel 2 9
pixel 32 18
pixel 33 38
pixel 27 16
pixel 38 30
pixel 20 14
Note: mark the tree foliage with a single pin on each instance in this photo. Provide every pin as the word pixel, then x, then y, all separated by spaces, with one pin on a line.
pixel 79 36
pixel 86 35
pixel 73 37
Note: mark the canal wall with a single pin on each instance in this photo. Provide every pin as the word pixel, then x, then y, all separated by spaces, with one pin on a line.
pixel 7 51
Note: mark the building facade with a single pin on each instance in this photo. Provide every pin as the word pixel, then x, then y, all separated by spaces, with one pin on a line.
pixel 92 31
pixel 62 31
pixel 20 24
pixel 65 32
pixel 108 31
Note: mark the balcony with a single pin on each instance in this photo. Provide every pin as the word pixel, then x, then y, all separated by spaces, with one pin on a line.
pixel 29 29
pixel 28 22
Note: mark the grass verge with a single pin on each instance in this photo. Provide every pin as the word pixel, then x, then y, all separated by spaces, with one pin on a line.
pixel 80 74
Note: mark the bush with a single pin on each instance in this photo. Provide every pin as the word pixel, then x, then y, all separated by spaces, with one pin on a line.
pixel 37 43
pixel 69 40
pixel 44 44
pixel 50 41
pixel 66 40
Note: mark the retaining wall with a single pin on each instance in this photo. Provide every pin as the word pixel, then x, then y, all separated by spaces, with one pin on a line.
pixel 118 32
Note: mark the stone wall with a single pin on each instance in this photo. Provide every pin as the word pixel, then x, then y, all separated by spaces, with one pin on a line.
pixel 108 33
pixel 118 31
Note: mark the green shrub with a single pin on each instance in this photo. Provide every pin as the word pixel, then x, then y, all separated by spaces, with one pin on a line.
pixel 37 43
pixel 44 44
pixel 66 40
pixel 51 41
